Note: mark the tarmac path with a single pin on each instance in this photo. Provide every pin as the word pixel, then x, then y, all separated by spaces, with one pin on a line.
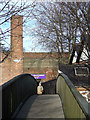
pixel 42 106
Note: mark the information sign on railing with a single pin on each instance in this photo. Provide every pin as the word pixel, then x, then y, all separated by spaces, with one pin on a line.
pixel 39 76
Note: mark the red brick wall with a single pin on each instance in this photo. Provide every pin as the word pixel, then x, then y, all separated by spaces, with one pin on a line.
pixel 6 69
pixel 13 65
pixel 41 63
pixel 43 55
pixel 51 73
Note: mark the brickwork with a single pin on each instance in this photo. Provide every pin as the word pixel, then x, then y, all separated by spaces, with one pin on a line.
pixel 13 65
pixel 51 73
pixel 16 45
pixel 6 69
pixel 19 62
pixel 41 63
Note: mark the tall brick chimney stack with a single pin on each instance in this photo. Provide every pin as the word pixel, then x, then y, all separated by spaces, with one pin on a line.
pixel 16 45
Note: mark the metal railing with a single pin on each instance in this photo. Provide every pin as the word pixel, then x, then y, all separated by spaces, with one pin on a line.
pixel 15 92
pixel 74 105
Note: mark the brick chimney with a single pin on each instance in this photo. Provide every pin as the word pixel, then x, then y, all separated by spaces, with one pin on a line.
pixel 16 45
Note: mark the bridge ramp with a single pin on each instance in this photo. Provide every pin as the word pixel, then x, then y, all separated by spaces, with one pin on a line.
pixel 42 106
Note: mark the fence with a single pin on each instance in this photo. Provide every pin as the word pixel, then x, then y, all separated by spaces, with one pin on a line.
pixel 74 105
pixel 15 92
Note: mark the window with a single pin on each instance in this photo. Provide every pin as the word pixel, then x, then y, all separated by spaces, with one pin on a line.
pixel 81 71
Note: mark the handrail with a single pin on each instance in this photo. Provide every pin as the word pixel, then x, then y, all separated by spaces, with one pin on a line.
pixel 15 92
pixel 75 106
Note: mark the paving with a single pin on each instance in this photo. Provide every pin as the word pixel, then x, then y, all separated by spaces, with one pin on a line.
pixel 42 106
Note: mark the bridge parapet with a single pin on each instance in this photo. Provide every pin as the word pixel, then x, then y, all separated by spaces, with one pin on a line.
pixel 15 92
pixel 74 105
pixel 49 87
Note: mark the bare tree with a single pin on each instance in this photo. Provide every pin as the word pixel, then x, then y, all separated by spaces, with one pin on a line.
pixel 7 9
pixel 60 25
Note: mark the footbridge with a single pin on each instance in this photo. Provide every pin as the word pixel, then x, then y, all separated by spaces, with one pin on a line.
pixel 59 100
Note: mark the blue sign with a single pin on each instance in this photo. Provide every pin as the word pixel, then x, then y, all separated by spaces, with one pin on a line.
pixel 39 76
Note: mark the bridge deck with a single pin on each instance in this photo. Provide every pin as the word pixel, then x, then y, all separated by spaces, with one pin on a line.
pixel 42 106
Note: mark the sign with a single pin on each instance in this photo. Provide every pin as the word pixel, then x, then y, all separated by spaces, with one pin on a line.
pixel 17 60
pixel 39 76
pixel 81 71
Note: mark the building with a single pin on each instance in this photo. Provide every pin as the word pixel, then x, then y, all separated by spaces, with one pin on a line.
pixel 18 62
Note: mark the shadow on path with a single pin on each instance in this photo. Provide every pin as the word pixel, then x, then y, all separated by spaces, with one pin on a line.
pixel 26 107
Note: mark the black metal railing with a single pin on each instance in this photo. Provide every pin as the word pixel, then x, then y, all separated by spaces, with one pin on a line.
pixel 15 92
